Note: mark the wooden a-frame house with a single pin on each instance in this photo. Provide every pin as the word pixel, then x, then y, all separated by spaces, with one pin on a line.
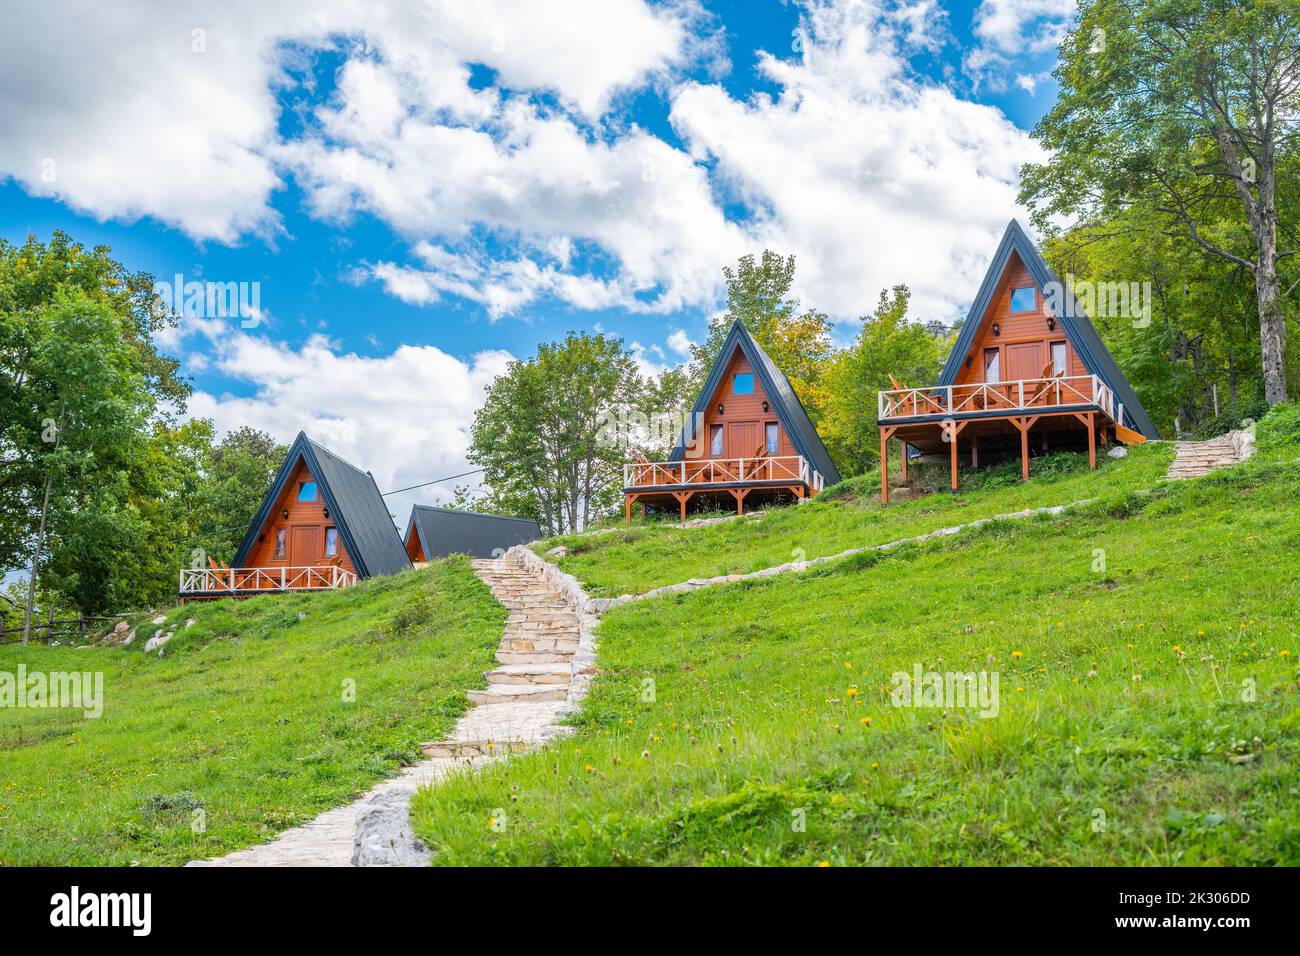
pixel 1028 369
pixel 322 524
pixel 749 440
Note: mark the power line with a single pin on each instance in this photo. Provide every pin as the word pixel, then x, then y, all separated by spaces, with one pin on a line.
pixel 435 481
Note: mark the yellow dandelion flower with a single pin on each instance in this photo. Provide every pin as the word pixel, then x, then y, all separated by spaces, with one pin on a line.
pixel 589 768
pixel 824 863
pixel 865 721
pixel 852 691
pixel 1017 654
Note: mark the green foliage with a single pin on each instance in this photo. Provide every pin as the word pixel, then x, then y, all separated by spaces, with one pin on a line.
pixel 539 434
pixel 799 342
pixel 1166 123
pixel 888 345
pixel 1280 428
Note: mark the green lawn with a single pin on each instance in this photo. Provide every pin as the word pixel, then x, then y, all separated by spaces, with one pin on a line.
pixel 243 716
pixel 655 553
pixel 1149 711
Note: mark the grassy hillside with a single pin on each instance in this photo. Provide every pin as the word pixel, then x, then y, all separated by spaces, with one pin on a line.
pixel 1148 712
pixel 846 516
pixel 244 716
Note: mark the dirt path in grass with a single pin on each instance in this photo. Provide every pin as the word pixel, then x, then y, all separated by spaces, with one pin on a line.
pixel 544 667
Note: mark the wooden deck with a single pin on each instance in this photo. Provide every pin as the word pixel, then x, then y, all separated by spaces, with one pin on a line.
pixel 730 480
pixel 205 584
pixel 929 419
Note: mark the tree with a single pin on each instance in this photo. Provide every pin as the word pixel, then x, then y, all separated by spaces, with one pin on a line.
pixel 1190 108
pixel 83 396
pixel 541 434
pixel 889 344
pixel 236 473
pixel 758 294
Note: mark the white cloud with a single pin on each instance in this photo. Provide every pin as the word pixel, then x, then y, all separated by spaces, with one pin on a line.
pixel 868 174
pixel 680 342
pixel 404 416
pixel 169 110
pixel 1010 31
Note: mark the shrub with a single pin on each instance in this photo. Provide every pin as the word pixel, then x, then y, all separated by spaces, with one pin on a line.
pixel 1280 427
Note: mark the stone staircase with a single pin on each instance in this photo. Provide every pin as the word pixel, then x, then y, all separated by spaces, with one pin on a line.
pixel 1195 458
pixel 530 689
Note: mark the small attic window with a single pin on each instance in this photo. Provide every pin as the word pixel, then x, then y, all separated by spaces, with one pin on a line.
pixel 306 491
pixel 1023 300
pixel 743 384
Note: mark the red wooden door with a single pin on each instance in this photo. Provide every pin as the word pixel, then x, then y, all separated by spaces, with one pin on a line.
pixel 306 546
pixel 1024 361
pixel 743 439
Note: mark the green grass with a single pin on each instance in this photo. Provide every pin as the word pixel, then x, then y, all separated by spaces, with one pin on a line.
pixel 244 716
pixel 849 515
pixel 721 728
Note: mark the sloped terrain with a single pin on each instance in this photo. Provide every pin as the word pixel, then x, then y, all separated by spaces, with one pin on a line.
pixel 849 515
pixel 1148 702
pixel 257 717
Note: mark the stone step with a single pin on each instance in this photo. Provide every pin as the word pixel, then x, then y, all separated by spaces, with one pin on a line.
pixel 468 749
pixel 531 674
pixel 547 645
pixel 534 657
pixel 507 693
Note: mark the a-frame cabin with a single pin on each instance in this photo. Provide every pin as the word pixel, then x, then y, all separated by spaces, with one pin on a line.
pixel 437 532
pixel 749 440
pixel 322 525
pixel 1028 369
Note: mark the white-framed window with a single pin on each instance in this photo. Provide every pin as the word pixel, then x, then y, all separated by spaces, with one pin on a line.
pixel 1024 299
pixel 715 441
pixel 1059 358
pixel 772 437
pixel 281 543
pixel 992 365
pixel 331 542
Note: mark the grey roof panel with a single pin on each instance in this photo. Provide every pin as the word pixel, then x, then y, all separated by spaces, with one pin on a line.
pixel 444 531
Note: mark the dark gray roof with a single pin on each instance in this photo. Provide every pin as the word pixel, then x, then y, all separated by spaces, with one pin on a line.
pixel 444 531
pixel 354 503
pixel 1079 329
pixel 789 410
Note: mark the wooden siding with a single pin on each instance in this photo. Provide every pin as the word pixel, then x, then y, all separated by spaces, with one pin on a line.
pixel 1020 333
pixel 305 525
pixel 743 419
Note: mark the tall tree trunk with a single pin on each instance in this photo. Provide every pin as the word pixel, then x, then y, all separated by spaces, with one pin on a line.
pixel 1272 322
pixel 36 561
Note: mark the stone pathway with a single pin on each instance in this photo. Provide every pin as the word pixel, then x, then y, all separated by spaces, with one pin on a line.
pixel 1195 458
pixel 545 666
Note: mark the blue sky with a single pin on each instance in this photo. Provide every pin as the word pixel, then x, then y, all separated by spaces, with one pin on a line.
pixel 423 194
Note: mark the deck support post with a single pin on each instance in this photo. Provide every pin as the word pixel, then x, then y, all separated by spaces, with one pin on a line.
pixel 953 453
pixel 1023 424
pixel 885 434
pixel 953 430
pixel 974 451
pixel 628 501
pixel 1089 421
pixel 904 471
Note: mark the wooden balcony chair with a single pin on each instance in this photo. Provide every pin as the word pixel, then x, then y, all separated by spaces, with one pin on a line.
pixel 1045 386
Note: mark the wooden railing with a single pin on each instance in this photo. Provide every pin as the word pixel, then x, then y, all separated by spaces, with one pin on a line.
pixel 1020 395
pixel 693 471
pixel 239 580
